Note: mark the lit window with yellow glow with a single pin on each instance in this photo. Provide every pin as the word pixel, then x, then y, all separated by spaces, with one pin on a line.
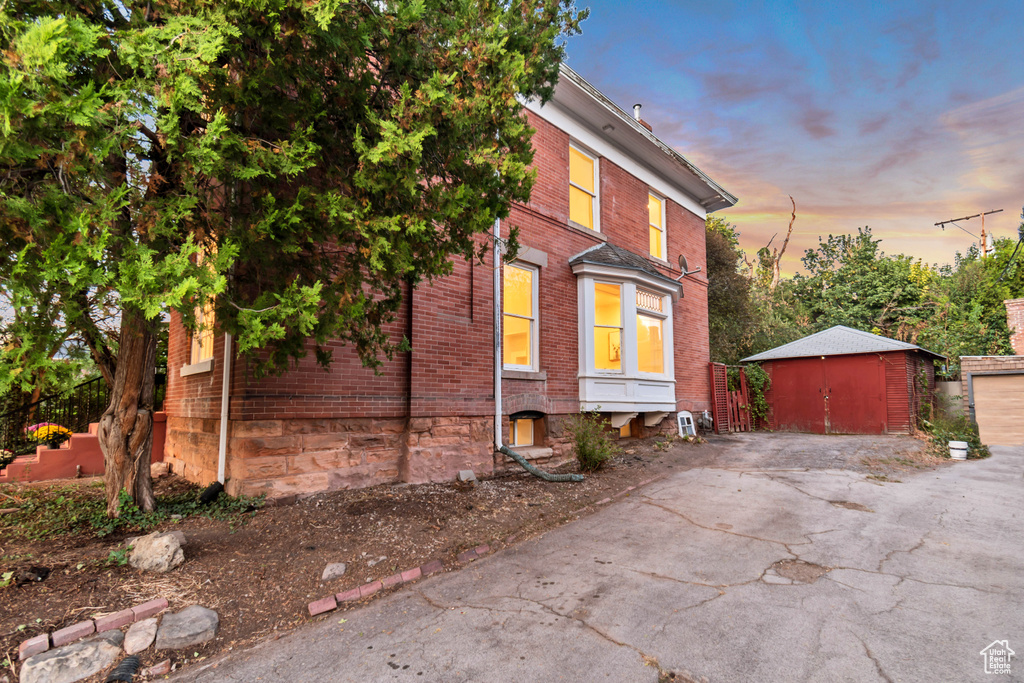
pixel 656 212
pixel 519 301
pixel 582 188
pixel 650 351
pixel 607 326
pixel 522 432
pixel 202 338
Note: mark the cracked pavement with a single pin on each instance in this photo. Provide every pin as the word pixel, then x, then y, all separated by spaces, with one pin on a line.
pixel 921 576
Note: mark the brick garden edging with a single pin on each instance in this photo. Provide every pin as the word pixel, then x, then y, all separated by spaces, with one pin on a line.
pixel 331 602
pixel 42 642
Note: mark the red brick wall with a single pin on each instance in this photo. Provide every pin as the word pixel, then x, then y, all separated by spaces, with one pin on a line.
pixel 449 373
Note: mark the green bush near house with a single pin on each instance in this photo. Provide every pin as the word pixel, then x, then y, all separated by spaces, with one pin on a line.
pixel 591 442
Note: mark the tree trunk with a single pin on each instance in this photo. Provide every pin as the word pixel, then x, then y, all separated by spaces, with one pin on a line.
pixel 126 428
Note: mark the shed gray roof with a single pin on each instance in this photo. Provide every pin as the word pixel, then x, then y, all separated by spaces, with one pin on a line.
pixel 611 255
pixel 836 341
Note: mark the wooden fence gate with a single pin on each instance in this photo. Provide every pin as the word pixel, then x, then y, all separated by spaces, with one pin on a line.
pixel 731 409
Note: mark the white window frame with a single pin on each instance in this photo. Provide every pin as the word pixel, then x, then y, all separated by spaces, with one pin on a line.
pixel 666 321
pixel 513 434
pixel 595 199
pixel 629 367
pixel 592 353
pixel 534 319
pixel 664 227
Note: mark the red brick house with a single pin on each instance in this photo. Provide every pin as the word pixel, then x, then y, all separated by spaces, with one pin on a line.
pixel 595 314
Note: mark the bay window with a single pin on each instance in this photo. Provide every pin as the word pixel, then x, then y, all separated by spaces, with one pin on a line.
pixel 626 359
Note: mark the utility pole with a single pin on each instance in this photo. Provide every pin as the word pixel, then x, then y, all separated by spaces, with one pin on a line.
pixel 983 242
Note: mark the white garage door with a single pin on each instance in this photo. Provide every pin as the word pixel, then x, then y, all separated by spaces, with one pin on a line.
pixel 999 409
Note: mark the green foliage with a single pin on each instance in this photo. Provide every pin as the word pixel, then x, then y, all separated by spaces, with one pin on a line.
pixel 944 428
pixel 730 314
pixel 592 445
pixel 6 579
pixel 118 557
pixel 53 512
pixel 328 154
pixel 758 383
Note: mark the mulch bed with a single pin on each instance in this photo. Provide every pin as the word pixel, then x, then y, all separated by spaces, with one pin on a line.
pixel 262 569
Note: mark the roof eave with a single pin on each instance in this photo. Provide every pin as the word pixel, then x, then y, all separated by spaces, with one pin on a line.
pixel 715 196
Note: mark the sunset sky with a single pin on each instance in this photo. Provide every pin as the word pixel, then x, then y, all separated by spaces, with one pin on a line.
pixel 894 115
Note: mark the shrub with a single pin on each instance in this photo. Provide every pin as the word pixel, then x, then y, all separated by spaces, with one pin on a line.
pixel 591 443
pixel 944 428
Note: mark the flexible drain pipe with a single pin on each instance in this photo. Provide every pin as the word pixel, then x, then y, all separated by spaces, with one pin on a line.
pixel 498 445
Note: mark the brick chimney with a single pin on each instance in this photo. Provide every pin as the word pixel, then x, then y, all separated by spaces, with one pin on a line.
pixel 1015 321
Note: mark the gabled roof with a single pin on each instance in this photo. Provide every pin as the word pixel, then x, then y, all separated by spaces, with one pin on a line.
pixel 617 257
pixel 836 341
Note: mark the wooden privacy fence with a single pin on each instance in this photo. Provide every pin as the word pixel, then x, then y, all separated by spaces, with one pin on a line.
pixel 731 409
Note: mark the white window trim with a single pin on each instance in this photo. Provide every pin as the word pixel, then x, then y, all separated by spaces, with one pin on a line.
pixel 513 435
pixel 596 196
pixel 592 353
pixel 628 310
pixel 534 320
pixel 664 227
pixel 666 334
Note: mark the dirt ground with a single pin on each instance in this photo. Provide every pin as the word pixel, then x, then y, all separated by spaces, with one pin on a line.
pixel 261 571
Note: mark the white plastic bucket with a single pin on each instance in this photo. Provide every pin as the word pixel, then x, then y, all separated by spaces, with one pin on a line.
pixel 958 450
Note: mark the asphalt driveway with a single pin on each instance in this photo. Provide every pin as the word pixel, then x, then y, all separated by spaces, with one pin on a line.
pixel 765 563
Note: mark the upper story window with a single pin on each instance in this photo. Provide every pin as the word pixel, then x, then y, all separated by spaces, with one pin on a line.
pixel 607 326
pixel 519 302
pixel 656 212
pixel 583 194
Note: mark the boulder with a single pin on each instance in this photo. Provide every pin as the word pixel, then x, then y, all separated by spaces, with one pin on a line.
pixel 190 626
pixel 333 571
pixel 157 552
pixel 73 662
pixel 140 636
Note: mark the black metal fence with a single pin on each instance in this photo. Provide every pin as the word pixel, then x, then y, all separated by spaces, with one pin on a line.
pixel 72 411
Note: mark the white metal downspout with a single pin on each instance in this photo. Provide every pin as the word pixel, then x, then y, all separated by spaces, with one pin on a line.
pixel 225 396
pixel 497 334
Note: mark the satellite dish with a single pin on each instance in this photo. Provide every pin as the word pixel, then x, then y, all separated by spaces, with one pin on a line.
pixel 685 267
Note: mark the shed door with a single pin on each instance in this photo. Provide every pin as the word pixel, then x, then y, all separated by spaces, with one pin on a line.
pixel 855 394
pixel 999 409
pixel 798 395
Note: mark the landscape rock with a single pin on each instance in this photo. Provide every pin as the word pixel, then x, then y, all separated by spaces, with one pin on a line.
pixel 140 636
pixel 159 469
pixel 333 571
pixel 157 552
pixel 73 662
pixel 159 669
pixel 467 477
pixel 180 535
pixel 190 626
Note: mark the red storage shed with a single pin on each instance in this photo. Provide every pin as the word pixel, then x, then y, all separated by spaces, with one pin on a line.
pixel 845 381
